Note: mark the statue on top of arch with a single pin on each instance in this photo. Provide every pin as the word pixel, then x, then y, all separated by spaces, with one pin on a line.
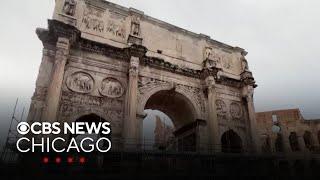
pixel 69 7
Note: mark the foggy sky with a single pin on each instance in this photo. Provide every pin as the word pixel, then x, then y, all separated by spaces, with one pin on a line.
pixel 281 36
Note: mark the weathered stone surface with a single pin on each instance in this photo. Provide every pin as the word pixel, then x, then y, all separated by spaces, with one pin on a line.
pixel 121 61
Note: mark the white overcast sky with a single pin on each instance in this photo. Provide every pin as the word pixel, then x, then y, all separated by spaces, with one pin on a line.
pixel 281 36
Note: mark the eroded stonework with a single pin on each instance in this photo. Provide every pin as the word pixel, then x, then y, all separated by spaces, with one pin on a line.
pixel 103 59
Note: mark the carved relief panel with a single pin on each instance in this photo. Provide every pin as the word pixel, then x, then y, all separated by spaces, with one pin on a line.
pixel 223 58
pixel 92 19
pixel 73 105
pixel 111 87
pixel 104 23
pixel 230 112
pixel 235 111
pixel 88 91
pixel 221 110
pixel 80 82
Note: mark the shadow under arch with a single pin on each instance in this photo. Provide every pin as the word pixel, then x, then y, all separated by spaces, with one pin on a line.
pixel 231 142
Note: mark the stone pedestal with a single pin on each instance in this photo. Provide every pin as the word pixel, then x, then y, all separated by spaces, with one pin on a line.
pixel 54 88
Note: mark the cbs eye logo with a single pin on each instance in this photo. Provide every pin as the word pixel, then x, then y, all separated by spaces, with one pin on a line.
pixel 23 128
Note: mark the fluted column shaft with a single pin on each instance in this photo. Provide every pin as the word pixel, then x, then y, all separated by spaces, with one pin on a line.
pixel 213 124
pixel 55 86
pixel 255 136
pixel 131 133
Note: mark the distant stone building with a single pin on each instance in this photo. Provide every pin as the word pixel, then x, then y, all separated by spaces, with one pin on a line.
pixel 287 131
pixel 163 134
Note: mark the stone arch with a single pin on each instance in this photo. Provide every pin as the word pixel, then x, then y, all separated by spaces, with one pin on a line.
pixel 308 141
pixel 294 143
pixel 231 142
pixel 145 92
pixel 278 144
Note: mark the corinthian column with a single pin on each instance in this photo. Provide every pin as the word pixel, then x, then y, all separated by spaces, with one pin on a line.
pixel 131 124
pixel 213 124
pixel 54 89
pixel 255 136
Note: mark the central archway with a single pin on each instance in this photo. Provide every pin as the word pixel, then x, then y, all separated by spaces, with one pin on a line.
pixel 175 105
pixel 182 114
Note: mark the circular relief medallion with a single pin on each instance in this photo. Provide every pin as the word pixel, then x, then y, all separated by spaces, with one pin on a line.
pixel 80 82
pixel 111 87
pixel 235 110
pixel 221 107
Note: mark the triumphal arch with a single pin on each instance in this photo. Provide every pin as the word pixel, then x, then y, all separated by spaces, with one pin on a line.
pixel 106 62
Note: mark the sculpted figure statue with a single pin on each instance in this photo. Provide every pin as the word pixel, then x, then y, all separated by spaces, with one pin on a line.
pixel 135 26
pixel 244 64
pixel 69 7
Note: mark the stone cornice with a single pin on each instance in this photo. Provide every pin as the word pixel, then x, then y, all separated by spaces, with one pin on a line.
pixel 167 66
pixel 57 29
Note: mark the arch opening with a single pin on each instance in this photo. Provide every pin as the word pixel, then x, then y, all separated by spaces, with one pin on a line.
pixel 231 142
pixel 279 143
pixel 294 143
pixel 179 111
pixel 307 137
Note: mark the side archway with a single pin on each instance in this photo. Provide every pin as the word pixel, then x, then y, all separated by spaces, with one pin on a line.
pixel 231 142
pixel 294 143
pixel 308 141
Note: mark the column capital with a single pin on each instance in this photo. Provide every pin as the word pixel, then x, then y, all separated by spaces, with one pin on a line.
pixel 63 43
pixel 137 50
pixel 62 48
